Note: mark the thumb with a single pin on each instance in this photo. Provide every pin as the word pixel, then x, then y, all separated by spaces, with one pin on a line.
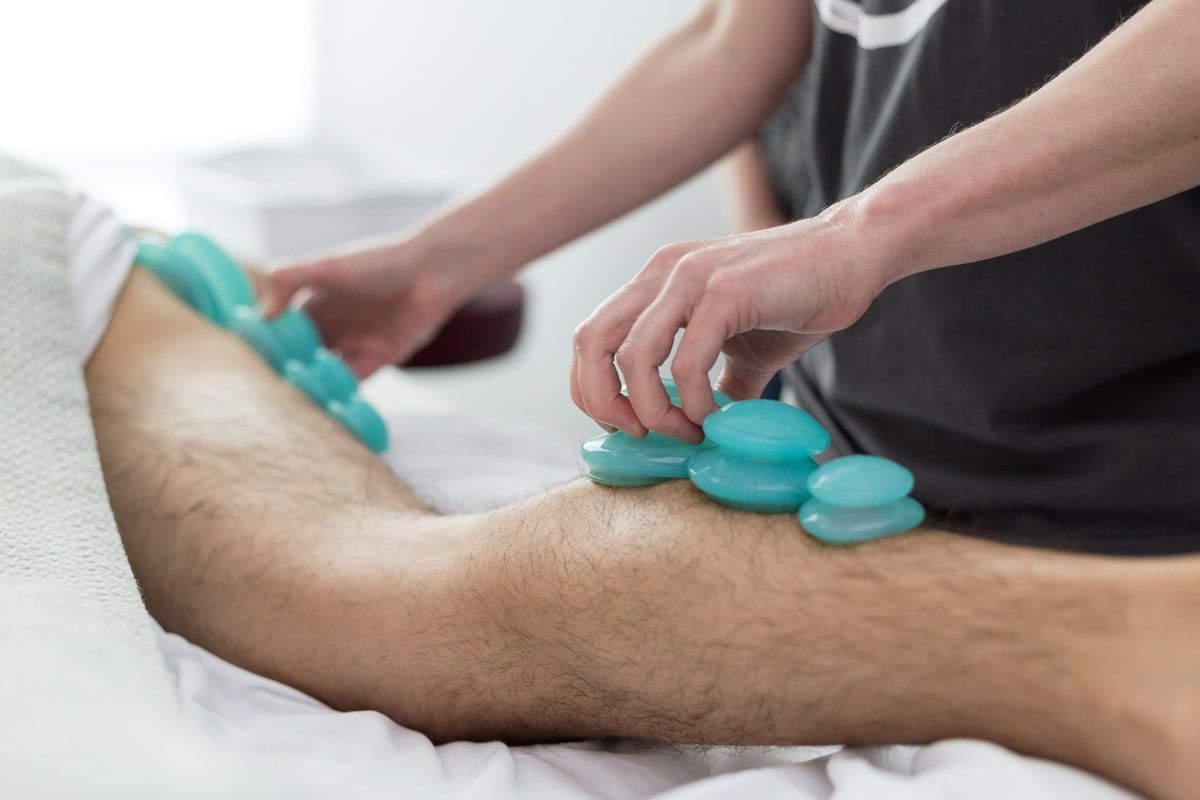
pixel 283 283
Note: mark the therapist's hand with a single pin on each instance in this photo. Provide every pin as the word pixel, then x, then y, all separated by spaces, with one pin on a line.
pixel 380 302
pixel 763 298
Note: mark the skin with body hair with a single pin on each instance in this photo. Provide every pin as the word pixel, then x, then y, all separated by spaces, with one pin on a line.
pixel 262 531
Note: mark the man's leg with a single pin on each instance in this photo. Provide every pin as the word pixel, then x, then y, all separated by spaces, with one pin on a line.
pixel 260 530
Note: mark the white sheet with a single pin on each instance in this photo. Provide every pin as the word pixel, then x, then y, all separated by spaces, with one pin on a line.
pixel 98 258
pixel 475 463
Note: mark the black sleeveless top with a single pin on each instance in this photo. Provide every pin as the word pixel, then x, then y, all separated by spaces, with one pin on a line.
pixel 1051 396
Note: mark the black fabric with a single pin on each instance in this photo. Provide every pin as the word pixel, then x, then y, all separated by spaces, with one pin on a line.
pixel 1051 396
pixel 782 139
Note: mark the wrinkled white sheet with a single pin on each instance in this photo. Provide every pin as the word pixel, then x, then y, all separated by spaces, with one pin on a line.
pixel 461 462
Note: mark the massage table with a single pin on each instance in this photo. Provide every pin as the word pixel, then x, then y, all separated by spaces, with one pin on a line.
pixel 100 702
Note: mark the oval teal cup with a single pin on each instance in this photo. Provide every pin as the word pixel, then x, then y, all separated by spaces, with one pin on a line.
pixel 859 481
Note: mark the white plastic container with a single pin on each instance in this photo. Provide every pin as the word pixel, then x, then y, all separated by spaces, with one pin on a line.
pixel 270 202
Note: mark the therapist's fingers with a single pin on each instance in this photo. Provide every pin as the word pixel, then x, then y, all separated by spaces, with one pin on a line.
pixel 646 347
pixel 283 283
pixel 600 386
pixel 366 361
pixel 371 333
pixel 597 387
pixel 649 344
pixel 595 383
pixel 361 362
pixel 577 395
pixel 701 344
pixel 370 271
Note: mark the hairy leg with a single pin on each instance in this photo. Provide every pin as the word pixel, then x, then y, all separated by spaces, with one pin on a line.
pixel 262 531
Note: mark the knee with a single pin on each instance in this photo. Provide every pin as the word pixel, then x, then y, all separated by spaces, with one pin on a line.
pixel 589 600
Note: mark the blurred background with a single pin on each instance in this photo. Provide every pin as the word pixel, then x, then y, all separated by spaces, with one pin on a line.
pixel 238 117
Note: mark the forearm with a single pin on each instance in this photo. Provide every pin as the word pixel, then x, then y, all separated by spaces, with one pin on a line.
pixel 1117 130
pixel 753 205
pixel 686 103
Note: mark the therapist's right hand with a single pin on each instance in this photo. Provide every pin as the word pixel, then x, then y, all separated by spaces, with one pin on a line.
pixel 377 303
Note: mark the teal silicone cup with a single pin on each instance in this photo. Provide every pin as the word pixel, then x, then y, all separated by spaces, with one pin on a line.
pixel 197 271
pixel 760 456
pixel 860 498
pixel 615 459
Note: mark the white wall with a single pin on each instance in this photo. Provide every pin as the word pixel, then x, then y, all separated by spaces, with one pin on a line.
pixel 477 85
pixel 114 93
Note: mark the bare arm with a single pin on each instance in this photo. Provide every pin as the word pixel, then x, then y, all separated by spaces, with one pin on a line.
pixel 260 530
pixel 1118 129
pixel 685 104
pixel 752 203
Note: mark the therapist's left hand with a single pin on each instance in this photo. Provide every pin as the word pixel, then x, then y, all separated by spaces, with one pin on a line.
pixel 762 298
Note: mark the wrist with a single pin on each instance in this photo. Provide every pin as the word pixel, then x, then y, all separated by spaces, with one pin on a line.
pixel 893 225
pixel 466 254
pixel 870 239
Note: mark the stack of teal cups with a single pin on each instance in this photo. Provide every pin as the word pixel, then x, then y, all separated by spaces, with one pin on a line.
pixel 207 279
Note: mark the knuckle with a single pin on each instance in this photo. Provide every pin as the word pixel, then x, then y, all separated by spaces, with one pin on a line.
pixel 584 333
pixel 691 272
pixel 682 367
pixel 670 252
pixel 628 357
pixel 666 257
pixel 723 285
pixel 725 296
pixel 659 417
pixel 688 266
